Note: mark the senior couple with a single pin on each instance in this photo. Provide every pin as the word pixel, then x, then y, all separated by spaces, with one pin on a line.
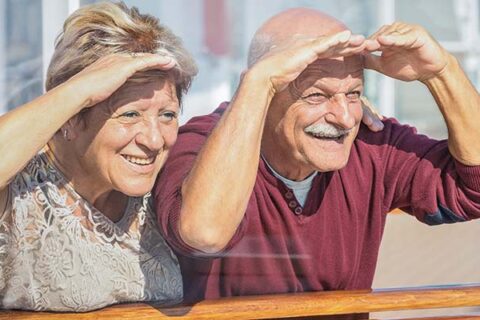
pixel 281 190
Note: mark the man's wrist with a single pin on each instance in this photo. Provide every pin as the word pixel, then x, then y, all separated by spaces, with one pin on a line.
pixel 258 80
pixel 451 67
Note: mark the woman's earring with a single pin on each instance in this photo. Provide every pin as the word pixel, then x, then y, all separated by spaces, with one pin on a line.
pixel 65 134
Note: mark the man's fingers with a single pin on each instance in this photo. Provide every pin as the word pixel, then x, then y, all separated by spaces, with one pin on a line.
pixel 378 32
pixel 340 44
pixel 371 122
pixel 371 117
pixel 395 35
pixel 372 62
pixel 366 103
pixel 389 35
pixel 341 37
pixel 356 40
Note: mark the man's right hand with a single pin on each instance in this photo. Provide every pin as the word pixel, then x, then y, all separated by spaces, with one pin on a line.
pixel 282 65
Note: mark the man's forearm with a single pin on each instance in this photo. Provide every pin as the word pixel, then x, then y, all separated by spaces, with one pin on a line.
pixel 216 192
pixel 459 103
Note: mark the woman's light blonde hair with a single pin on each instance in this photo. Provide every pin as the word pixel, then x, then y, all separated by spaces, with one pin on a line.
pixel 100 29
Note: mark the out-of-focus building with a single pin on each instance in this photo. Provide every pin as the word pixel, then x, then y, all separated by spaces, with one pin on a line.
pixel 218 32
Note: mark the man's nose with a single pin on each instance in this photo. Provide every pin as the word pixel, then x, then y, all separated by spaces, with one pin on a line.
pixel 339 112
pixel 151 135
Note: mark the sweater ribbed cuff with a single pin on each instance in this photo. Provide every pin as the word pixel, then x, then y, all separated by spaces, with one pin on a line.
pixel 470 175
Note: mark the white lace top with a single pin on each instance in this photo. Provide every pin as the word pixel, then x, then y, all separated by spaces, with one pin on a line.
pixel 57 252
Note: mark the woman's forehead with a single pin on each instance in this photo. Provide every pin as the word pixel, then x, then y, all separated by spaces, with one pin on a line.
pixel 134 91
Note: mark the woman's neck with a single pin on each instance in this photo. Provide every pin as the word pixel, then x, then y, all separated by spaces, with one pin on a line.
pixel 105 199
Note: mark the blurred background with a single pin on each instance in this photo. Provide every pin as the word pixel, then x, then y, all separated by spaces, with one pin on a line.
pixel 218 32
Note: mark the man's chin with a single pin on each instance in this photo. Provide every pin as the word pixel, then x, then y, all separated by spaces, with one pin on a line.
pixel 330 164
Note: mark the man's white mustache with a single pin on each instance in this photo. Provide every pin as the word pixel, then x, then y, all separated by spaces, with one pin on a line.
pixel 326 130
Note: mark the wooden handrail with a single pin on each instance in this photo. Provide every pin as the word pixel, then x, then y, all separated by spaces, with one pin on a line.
pixel 283 305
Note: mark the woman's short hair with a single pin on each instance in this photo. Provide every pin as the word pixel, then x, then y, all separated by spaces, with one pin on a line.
pixel 100 29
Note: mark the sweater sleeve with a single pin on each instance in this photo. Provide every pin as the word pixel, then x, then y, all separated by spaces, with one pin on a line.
pixel 167 190
pixel 422 178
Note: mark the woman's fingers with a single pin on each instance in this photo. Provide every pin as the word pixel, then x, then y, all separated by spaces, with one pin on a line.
pixel 102 78
pixel 147 60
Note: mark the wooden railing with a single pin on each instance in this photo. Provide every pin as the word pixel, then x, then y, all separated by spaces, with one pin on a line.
pixel 284 305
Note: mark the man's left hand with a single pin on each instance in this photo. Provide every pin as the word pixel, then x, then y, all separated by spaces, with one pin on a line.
pixel 408 53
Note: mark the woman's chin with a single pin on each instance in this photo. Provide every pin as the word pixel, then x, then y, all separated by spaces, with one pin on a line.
pixel 137 189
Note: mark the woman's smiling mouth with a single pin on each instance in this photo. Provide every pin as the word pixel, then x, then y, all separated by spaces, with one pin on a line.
pixel 142 161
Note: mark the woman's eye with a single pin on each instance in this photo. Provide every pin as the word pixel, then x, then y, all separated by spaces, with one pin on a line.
pixel 130 114
pixel 353 95
pixel 169 115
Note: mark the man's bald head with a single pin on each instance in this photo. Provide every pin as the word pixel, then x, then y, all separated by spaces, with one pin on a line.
pixel 280 29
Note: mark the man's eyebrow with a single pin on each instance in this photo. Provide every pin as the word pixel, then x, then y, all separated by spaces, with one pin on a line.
pixel 355 86
pixel 317 67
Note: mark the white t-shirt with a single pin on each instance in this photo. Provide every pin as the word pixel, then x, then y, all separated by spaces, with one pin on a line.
pixel 300 188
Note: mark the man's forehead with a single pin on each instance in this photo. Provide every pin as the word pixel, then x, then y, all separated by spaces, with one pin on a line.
pixel 325 73
pixel 337 67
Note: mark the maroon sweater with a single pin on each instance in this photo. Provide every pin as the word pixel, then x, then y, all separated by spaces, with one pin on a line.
pixel 332 243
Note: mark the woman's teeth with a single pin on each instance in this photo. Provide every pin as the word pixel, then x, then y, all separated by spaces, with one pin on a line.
pixel 139 161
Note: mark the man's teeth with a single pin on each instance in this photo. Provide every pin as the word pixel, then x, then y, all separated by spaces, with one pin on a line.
pixel 324 136
pixel 140 161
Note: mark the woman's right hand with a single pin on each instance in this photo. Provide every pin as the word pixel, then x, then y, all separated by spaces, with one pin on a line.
pixel 102 78
pixel 26 129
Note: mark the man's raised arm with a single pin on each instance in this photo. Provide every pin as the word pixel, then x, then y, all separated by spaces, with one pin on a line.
pixel 216 192
pixel 410 53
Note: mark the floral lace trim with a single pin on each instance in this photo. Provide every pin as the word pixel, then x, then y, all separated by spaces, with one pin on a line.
pixel 57 252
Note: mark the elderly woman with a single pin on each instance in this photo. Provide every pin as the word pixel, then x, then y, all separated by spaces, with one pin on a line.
pixel 77 231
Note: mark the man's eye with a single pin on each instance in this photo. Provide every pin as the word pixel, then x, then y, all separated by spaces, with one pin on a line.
pixel 316 97
pixel 130 114
pixel 353 95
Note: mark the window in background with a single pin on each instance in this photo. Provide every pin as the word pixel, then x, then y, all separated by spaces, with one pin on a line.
pixel 218 32
pixel 453 24
pixel 21 46
pixel 360 16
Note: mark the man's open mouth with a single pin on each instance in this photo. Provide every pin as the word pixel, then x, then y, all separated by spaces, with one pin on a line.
pixel 323 136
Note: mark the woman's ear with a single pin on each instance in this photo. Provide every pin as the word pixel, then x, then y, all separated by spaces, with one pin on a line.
pixel 72 128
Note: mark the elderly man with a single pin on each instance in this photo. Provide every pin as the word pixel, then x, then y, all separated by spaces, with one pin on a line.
pixel 283 190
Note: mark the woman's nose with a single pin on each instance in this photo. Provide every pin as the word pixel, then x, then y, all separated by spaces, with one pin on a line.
pixel 151 135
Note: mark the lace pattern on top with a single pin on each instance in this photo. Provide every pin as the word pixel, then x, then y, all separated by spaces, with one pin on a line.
pixel 57 252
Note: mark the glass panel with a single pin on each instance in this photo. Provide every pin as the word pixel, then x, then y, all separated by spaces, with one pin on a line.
pixel 85 2
pixel 438 16
pixel 416 106
pixel 23 52
pixel 218 35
